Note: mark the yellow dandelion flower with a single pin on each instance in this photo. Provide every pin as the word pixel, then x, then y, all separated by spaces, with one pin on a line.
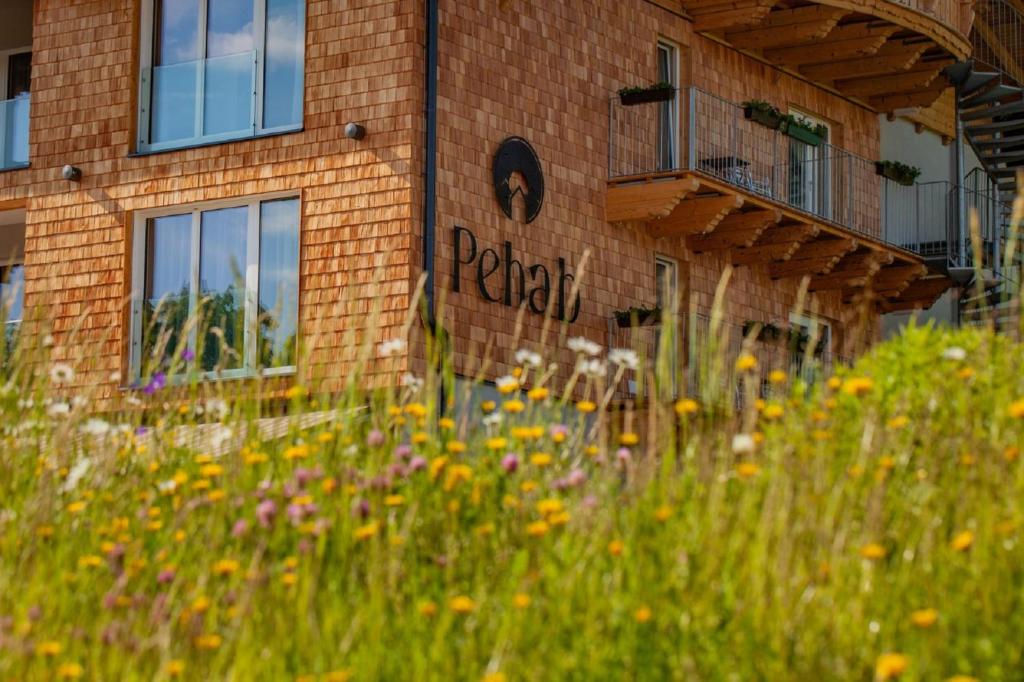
pixel 457 473
pixel 296 452
pixel 686 406
pixel 394 410
pixel 559 518
pixel 394 501
pixel 201 604
pixel 873 551
pixel 521 600
pixel 154 525
pixel 857 386
pixel 288 579
pixel 962 541
pixel 968 459
pixel 225 567
pixel 924 618
pixel 1016 409
pixel 494 677
pixel 337 676
pixel 328 485
pixel 208 642
pixel 484 530
pixel 662 513
pixel 45 531
pixel 513 406
pixel 1011 453
pixel 253 458
pixel 69 671
pixel 642 614
pixel 538 393
pixel 537 529
pixel 488 406
pixel 890 666
pixel 428 609
pixel 366 532
pixel 528 486
pixel 591 450
pixel 510 502
pixel 898 422
pixel 203 458
pixel 89 561
pixel 777 376
pixel 455 447
pixel 773 411
pixel 216 495
pixel 966 373
pixel 746 362
pixel 175 668
pixel 76 507
pixel 496 443
pixel 436 466
pixel 886 463
pixel 586 406
pixel 540 459
pixel 462 605
pixel 747 469
pixel 962 678
pixel 291 563
pixel 294 392
pixel 615 547
pixel 419 438
pixel 325 437
pixel 833 383
pixel 180 535
pixel 548 506
pixel 629 438
pixel 446 423
pixel 202 484
pixel 48 649
pixel 416 410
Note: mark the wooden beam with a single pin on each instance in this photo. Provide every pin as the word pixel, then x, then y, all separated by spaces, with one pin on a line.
pixel 788 27
pixel 845 42
pixel 736 229
pixel 852 271
pixel 729 14
pixel 822 248
pixel 695 216
pixel 893 57
pixel 909 100
pixel 921 294
pixel 647 200
pixel 796 232
pixel 813 258
pixel 765 253
pixel 875 86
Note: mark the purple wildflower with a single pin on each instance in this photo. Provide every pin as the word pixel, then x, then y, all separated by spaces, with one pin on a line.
pixel 375 439
pixel 361 508
pixel 403 451
pixel 266 511
pixel 240 528
pixel 165 576
pixel 187 355
pixel 576 478
pixel 510 463
pixel 156 382
pixel 417 463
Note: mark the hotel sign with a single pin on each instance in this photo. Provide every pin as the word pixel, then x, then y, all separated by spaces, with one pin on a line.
pixel 500 277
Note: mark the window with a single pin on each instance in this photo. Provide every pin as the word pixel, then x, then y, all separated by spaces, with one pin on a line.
pixel 810 171
pixel 803 331
pixel 216 288
pixel 668 112
pixel 666 272
pixel 215 70
pixel 15 80
pixel 12 297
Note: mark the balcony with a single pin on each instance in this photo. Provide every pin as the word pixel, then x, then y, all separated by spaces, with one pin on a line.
pixel 766 198
pixel 889 54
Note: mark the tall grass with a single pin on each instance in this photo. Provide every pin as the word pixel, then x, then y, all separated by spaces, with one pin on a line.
pixel 865 525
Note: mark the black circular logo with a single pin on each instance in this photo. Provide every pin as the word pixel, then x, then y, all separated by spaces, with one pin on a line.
pixel 515 155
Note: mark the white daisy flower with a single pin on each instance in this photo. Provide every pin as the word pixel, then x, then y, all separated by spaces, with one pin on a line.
pixel 579 344
pixel 591 368
pixel 624 357
pixel 954 353
pixel 61 373
pixel 95 427
pixel 59 409
pixel 392 347
pixel 528 357
pixel 743 444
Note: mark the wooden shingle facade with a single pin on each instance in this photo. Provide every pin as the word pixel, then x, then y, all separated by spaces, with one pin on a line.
pixel 547 73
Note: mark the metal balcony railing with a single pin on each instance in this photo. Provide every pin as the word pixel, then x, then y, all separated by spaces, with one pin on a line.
pixel 953 13
pixel 713 136
pixel 14 132
pixel 997 38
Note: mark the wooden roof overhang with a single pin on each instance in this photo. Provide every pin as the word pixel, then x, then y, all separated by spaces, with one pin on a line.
pixel 711 215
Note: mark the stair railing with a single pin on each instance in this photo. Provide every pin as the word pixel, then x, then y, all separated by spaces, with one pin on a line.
pixel 997 38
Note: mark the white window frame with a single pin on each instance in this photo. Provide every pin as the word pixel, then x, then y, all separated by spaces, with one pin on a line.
pixel 673 266
pixel 145 113
pixel 141 220
pixel 673 105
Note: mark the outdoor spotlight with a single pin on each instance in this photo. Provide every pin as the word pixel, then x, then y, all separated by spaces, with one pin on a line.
pixel 354 131
pixel 72 173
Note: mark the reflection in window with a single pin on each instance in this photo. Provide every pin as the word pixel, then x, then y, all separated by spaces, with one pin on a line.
pixel 219 290
pixel 221 69
pixel 12 296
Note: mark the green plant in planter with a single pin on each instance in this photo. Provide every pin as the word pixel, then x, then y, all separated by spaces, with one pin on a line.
pixel 764 113
pixel 643 316
pixel 899 173
pixel 799 128
pixel 659 92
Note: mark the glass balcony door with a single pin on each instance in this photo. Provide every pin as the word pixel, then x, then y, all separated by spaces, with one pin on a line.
pixel 15 80
pixel 810 176
pixel 668 112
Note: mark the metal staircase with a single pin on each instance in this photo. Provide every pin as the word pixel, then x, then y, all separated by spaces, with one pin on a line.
pixel 990 97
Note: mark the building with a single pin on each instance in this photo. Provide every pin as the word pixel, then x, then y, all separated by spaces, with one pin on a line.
pixel 297 164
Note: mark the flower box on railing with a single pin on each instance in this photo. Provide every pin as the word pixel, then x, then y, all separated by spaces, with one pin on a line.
pixel 900 173
pixel 644 317
pixel 764 113
pixel 804 133
pixel 659 92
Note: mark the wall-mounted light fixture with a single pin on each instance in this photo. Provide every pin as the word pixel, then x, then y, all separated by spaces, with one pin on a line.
pixel 354 131
pixel 72 173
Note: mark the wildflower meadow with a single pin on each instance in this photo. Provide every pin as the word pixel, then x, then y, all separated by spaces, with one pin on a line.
pixel 864 525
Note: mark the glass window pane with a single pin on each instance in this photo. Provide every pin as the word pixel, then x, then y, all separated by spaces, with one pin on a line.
pixel 229 27
pixel 666 110
pixel 279 282
pixel 174 102
pixel 165 305
pixel 222 262
pixel 176 35
pixel 12 292
pixel 227 94
pixel 282 87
